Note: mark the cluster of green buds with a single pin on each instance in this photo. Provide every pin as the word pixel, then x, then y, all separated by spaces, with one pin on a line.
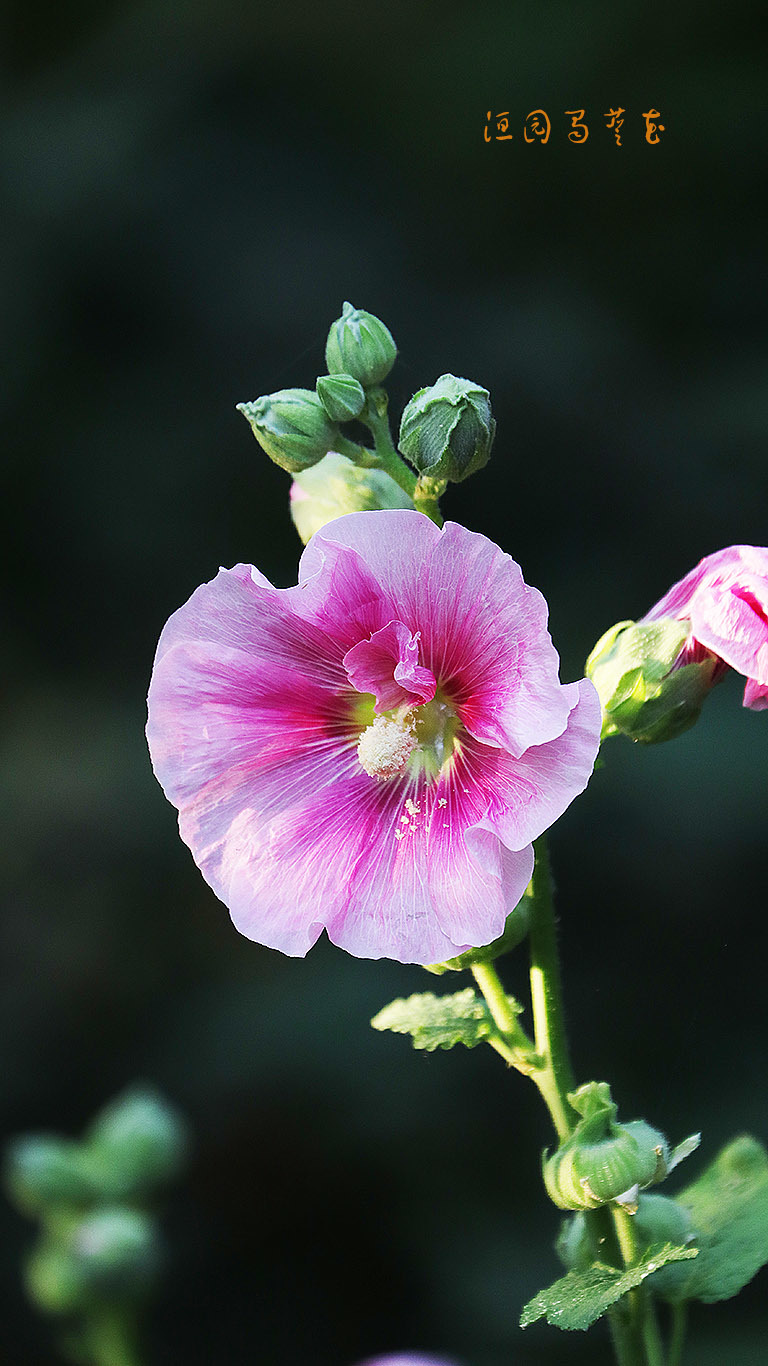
pixel 446 431
pixel 604 1161
pixel 644 693
pixel 98 1252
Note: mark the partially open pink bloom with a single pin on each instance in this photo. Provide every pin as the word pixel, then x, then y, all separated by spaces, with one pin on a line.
pixel 373 751
pixel 725 598
pixel 408 1359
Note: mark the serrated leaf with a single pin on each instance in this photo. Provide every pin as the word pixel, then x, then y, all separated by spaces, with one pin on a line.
pixel 728 1205
pixel 581 1297
pixel 683 1150
pixel 439 1021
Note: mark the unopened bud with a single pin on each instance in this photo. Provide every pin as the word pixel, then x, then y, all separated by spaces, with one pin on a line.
pixel 139 1142
pixel 293 428
pixel 603 1161
pixel 359 344
pixel 447 430
pixel 342 396
pixel 117 1251
pixel 43 1170
pixel 646 689
pixel 55 1280
pixel 334 487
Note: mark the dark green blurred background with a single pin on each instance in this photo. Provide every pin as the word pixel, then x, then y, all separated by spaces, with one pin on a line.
pixel 189 192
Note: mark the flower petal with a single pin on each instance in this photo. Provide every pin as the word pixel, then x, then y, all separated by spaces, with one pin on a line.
pixel 387 665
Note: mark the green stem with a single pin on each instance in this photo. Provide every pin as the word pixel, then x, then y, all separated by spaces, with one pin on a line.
pixel 555 1079
pixel 679 1325
pixel 375 418
pixel 111 1339
pixel 641 1304
pixel 511 1042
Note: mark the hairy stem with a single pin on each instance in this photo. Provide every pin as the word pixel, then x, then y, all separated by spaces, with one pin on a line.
pixel 555 1078
pixel 375 418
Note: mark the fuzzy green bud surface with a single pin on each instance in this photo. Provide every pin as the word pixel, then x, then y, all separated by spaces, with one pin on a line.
pixel 55 1280
pixel 342 396
pixel 43 1170
pixel 293 428
pixel 603 1161
pixel 447 429
pixel 334 487
pixel 117 1252
pixel 139 1142
pixel 642 694
pixel 359 344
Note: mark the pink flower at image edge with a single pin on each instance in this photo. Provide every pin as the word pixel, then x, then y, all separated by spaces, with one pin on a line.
pixel 373 751
pixel 725 598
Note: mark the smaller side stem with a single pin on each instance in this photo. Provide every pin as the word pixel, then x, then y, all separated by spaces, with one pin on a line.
pixel 511 1042
pixel 111 1339
pixel 555 1079
pixel 375 418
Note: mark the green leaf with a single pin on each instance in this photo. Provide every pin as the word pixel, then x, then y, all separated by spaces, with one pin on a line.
pixel 683 1150
pixel 440 1021
pixel 728 1205
pixel 581 1297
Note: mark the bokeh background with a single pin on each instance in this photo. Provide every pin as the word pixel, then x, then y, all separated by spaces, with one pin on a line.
pixel 189 192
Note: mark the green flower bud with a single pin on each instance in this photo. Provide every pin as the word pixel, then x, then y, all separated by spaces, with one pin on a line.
pixel 360 345
pixel 342 396
pixel 43 1170
pixel 139 1142
pixel 641 692
pixel 55 1280
pixel 293 428
pixel 447 430
pixel 117 1252
pixel 334 487
pixel 514 932
pixel 603 1161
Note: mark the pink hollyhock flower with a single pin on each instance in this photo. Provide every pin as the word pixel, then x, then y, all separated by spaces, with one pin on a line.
pixel 373 751
pixel 725 598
